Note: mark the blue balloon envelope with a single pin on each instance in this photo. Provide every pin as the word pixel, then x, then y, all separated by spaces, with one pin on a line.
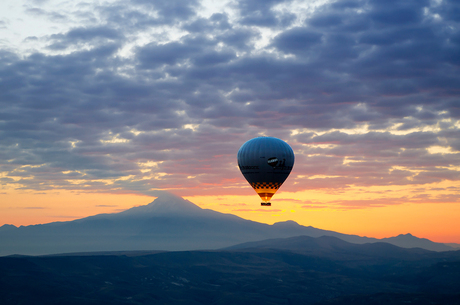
pixel 265 162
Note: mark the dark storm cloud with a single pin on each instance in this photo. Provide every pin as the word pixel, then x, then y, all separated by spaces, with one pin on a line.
pixel 105 112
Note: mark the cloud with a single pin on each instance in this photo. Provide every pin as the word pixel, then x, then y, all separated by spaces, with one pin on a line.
pixel 262 13
pixel 297 40
pixel 99 34
pixel 233 204
pixel 257 210
pixel 174 10
pixel 385 201
pixel 142 96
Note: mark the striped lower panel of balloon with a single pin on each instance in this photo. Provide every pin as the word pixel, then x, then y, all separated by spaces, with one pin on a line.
pixel 266 185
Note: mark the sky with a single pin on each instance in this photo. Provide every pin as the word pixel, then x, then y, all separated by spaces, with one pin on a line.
pixel 105 104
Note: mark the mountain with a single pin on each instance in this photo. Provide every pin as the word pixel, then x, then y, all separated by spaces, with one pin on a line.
pixel 410 241
pixel 453 245
pixel 168 223
pixel 7 227
pixel 340 250
pixel 402 240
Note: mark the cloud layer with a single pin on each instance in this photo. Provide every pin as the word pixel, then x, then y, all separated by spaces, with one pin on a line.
pixel 136 96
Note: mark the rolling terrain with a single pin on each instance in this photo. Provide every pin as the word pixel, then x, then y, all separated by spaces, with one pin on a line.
pixel 300 270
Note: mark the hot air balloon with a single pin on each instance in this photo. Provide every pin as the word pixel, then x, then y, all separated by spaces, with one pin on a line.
pixel 265 162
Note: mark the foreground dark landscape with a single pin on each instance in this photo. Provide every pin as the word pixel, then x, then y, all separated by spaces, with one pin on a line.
pixel 297 270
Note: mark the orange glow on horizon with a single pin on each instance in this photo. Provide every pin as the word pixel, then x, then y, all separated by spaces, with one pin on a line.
pixel 372 211
pixel 435 221
pixel 376 211
pixel 29 208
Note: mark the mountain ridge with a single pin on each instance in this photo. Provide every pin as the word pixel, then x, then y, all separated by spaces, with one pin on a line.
pixel 168 223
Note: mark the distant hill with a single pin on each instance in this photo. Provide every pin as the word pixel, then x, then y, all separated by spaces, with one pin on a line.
pixel 339 250
pixel 453 245
pixel 168 223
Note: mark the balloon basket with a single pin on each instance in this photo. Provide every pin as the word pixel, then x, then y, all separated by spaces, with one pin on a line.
pixel 268 204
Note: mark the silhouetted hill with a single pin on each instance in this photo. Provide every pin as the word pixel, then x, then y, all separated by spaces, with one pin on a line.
pixel 348 253
pixel 329 245
pixel 410 241
pixel 168 223
pixel 240 276
pixel 453 245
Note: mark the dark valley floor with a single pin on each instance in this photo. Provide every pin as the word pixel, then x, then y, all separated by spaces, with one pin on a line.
pixel 267 273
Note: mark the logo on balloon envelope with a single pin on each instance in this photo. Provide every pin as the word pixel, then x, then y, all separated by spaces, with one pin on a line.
pixel 273 162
